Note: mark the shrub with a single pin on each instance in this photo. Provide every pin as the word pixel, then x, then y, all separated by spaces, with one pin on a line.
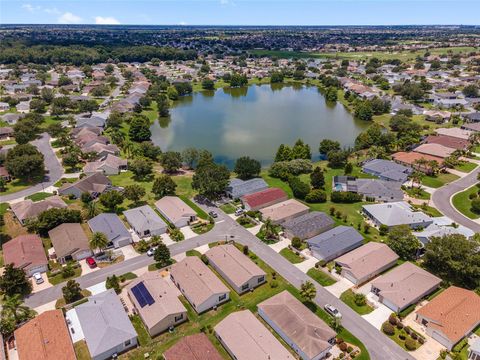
pixel 421 340
pixel 399 325
pixel 68 271
pixel 407 330
pixel 346 197
pixel 339 340
pixel 414 335
pixel 402 336
pixel 343 346
pixel 299 188
pixel 349 349
pixel 297 242
pixel 274 284
pixel 476 205
pixel 316 196
pixel 392 319
pixel 245 249
pixel 388 329
pixel 383 229
pixel 360 299
pixel 410 344
pixel 176 235
pixel 204 259
pixel 341 355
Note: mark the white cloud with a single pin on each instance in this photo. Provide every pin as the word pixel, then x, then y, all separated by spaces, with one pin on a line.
pixel 69 18
pixel 29 7
pixel 108 20
pixel 53 11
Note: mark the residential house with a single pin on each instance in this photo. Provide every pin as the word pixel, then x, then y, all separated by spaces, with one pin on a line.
pixel 4 106
pixel 145 221
pixel 387 170
pixel 70 242
pixel 474 350
pixel 473 117
pixel 434 149
pixel 263 198
pixel 451 316
pixel 102 150
pixel 23 107
pixel 403 286
pixel 91 121
pixel 436 116
pixel 412 159
pixel 45 337
pixel 106 326
pixel 237 269
pixel 111 225
pixel 448 141
pixel 396 213
pixel 474 126
pixel 246 338
pixel 284 211
pixel 28 209
pixel 5 132
pixel 198 284
pixel 156 302
pixel 366 262
pixel 194 347
pixel 298 326
pixel 112 165
pixel 334 243
pixel 308 225
pixel 11 118
pixel 454 132
pixel 26 252
pixel 176 211
pixel 238 188
pixel 94 185
pixel 4 174
pixel 442 226
pixel 372 189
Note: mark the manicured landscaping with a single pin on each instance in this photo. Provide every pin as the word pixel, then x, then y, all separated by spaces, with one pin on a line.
pixel 404 336
pixel 39 196
pixel 417 193
pixel 201 214
pixel 228 208
pixel 429 210
pixel 58 278
pixel 321 277
pixel 193 253
pixel 439 180
pixel 466 166
pixel 202 228
pixel 348 297
pixel 463 203
pixel 291 256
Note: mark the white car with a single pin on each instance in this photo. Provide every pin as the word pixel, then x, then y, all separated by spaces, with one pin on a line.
pixel 239 212
pixel 38 278
pixel 332 310
pixel 151 251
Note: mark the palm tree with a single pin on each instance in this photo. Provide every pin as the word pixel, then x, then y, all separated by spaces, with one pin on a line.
pixel 128 148
pixel 270 230
pixel 14 305
pixel 91 209
pixel 416 177
pixel 308 291
pixel 98 241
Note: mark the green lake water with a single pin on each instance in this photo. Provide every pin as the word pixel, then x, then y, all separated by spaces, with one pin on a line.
pixel 254 121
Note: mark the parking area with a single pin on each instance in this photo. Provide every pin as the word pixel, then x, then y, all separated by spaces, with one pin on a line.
pixel 308 263
pixel 129 252
pixel 87 269
pixel 38 287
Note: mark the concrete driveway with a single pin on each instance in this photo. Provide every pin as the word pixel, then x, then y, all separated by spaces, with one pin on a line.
pixel 129 252
pixel 39 287
pixel 279 246
pixel 74 327
pixel 339 287
pixel 87 269
pixel 187 232
pixel 378 316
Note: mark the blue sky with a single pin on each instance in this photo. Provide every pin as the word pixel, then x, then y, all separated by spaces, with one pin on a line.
pixel 241 12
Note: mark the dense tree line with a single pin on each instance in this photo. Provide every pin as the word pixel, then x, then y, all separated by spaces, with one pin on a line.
pixel 80 54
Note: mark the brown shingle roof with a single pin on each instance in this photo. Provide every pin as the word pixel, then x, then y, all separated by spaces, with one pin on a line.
pixel 298 323
pixel 193 347
pixel 448 141
pixel 283 210
pixel 28 209
pixel 24 251
pixel 68 238
pixel 434 150
pixel 454 312
pixel 45 338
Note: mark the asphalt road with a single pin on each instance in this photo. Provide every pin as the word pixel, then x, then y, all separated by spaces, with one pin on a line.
pixel 51 163
pixel 379 346
pixel 442 196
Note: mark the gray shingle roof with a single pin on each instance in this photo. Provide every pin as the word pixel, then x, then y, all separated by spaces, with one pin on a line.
pixel 308 223
pixel 104 322
pixel 335 241
pixel 237 188
pixel 387 169
pixel 110 225
pixel 144 218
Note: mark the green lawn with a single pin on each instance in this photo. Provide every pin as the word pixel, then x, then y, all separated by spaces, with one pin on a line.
pixel 396 337
pixel 206 321
pixel 291 256
pixel 348 297
pixel 57 279
pixel 228 208
pixel 439 180
pixel 39 196
pixel 15 186
pixel 193 253
pixel 417 193
pixel 81 350
pixel 201 214
pixel 429 210
pixel 321 277
pixel 466 166
pixel 463 204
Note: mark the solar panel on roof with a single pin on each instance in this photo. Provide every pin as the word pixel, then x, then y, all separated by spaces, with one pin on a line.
pixel 142 295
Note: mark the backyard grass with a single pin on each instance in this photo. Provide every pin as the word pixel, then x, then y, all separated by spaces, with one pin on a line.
pixel 321 277
pixel 228 208
pixel 291 256
pixel 466 166
pixel 201 214
pixel 39 196
pixel 462 202
pixel 81 350
pixel 438 180
pixel 348 297
pixel 206 321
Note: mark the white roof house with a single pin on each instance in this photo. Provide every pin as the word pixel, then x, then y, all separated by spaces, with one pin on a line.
pixel 396 213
